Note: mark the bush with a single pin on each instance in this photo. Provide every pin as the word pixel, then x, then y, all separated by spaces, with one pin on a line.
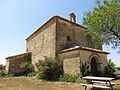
pixel 68 78
pixel 26 68
pixel 110 63
pixel 28 65
pixel 1 66
pixel 4 74
pixel 85 69
pixel 48 69
pixel 118 68
pixel 80 80
pixel 110 69
pixel 31 74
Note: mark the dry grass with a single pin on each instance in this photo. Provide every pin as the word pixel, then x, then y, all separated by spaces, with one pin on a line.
pixel 28 83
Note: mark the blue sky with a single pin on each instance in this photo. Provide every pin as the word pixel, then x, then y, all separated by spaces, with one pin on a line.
pixel 20 18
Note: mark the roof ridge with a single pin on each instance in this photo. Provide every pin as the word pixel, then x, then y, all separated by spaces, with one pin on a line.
pixel 52 19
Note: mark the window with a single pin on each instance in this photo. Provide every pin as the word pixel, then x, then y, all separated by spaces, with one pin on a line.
pixel 27 49
pixel 68 38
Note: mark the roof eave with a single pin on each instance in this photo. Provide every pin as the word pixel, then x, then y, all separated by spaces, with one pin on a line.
pixel 80 48
pixel 51 20
pixel 17 55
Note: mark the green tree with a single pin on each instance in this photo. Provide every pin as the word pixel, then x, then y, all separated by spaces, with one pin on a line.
pixel 103 22
pixel 1 66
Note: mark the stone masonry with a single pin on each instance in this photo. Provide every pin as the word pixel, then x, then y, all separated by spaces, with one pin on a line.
pixel 14 63
pixel 52 37
pixel 72 58
pixel 58 38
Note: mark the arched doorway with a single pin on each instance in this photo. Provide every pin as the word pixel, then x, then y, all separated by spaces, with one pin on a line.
pixel 95 66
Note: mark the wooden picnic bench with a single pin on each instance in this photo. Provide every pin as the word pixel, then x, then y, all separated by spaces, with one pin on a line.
pixel 96 86
pixel 103 80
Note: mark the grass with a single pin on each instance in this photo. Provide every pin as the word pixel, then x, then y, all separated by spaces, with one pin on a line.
pixel 30 83
pixel 117 87
pixel 117 72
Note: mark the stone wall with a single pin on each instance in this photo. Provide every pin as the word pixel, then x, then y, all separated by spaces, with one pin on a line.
pixel 104 62
pixel 52 37
pixel 74 32
pixel 58 35
pixel 101 59
pixel 55 35
pixel 71 62
pixel 14 63
pixel 43 42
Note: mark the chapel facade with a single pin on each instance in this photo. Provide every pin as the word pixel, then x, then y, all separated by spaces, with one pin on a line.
pixel 64 40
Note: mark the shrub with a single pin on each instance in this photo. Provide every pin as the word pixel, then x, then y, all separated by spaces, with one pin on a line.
pixel 110 63
pixel 85 69
pixel 26 68
pixel 28 65
pixel 48 69
pixel 68 78
pixel 4 74
pixel 118 68
pixel 110 69
pixel 31 74
pixel 1 66
pixel 9 75
pixel 80 80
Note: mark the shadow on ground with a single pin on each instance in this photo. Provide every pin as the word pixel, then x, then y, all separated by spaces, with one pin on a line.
pixel 117 77
pixel 100 89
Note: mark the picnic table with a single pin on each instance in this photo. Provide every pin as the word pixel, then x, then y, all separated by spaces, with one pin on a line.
pixel 104 80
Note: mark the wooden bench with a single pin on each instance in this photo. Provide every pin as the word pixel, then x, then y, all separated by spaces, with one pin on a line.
pixel 96 86
pixel 104 82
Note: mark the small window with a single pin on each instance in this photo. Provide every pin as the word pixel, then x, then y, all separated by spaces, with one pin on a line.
pixel 68 38
pixel 27 49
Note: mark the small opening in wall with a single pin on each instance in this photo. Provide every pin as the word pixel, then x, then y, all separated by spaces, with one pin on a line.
pixel 27 50
pixel 68 38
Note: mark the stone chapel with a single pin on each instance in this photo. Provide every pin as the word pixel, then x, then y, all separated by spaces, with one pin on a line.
pixel 64 40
